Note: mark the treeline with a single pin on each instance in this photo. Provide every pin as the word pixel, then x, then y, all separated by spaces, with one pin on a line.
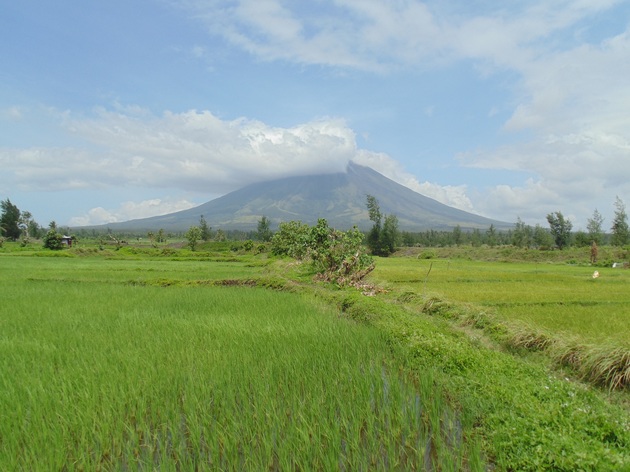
pixel 381 239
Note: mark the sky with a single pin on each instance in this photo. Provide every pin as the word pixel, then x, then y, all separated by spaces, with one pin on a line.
pixel 116 110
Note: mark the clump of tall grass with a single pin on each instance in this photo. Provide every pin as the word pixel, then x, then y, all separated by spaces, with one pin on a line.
pixel 525 337
pixel 606 366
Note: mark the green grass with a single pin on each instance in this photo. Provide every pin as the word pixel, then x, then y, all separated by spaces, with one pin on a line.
pixel 561 298
pixel 100 373
pixel 139 360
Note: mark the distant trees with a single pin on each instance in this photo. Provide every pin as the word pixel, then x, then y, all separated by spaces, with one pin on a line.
pixel 9 220
pixel 522 236
pixel 383 237
pixel 560 228
pixel 193 235
pixel 620 230
pixel 264 232
pixel 205 230
pixel 594 228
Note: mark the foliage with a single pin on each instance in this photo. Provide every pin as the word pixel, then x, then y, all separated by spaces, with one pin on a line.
pixel 491 235
pixel 53 240
pixel 620 229
pixel 264 232
pixel 9 220
pixel 193 235
pixel 522 236
pixel 291 239
pixel 541 237
pixel 560 229
pixel 594 227
pixel 205 233
pixel 382 238
pixel 336 255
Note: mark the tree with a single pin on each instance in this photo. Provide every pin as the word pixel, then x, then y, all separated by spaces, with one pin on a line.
pixel 594 228
pixel 291 239
pixel 620 230
pixel 560 229
pixel 390 235
pixel 522 234
pixel 193 235
pixel 374 236
pixel 264 230
pixel 381 239
pixel 457 235
pixel 491 236
pixel 336 256
pixel 206 231
pixel 541 237
pixel 9 220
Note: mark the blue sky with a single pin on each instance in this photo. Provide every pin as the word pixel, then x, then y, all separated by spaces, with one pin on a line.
pixel 116 110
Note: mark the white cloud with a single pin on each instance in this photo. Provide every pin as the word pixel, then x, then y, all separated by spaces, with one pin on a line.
pixel 193 151
pixel 130 211
pixel 13 113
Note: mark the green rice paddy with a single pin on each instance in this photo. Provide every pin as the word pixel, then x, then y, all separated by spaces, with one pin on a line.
pixel 102 369
pixel 144 359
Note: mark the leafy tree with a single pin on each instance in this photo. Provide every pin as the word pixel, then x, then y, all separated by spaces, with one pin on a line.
pixel 381 239
pixel 9 220
pixel 582 239
pixel 206 231
pixel 374 236
pixel 491 236
pixel 594 228
pixel 291 239
pixel 390 235
pixel 193 235
pixel 457 235
pixel 541 237
pixel 53 225
pixel 336 255
pixel 220 235
pixel 475 237
pixel 522 234
pixel 53 240
pixel 620 230
pixel 264 233
pixel 560 229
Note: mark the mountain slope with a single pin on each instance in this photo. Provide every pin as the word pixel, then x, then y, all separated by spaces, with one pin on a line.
pixel 340 198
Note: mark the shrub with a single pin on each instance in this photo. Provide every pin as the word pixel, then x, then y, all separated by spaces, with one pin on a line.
pixel 52 240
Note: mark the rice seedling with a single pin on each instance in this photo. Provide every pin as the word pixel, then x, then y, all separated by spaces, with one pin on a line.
pixel 98 373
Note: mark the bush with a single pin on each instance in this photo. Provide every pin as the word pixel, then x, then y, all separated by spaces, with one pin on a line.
pixel 52 240
pixel 336 255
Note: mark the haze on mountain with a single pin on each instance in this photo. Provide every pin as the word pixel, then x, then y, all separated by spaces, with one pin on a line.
pixel 340 198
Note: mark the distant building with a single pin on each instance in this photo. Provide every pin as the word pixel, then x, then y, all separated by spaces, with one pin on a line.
pixel 66 240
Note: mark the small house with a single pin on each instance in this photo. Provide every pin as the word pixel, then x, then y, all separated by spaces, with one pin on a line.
pixel 66 240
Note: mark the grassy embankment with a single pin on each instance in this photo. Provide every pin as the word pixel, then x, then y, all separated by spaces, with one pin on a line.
pixel 155 388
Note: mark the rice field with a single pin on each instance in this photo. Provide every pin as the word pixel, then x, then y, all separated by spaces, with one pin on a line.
pixel 563 299
pixel 129 365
